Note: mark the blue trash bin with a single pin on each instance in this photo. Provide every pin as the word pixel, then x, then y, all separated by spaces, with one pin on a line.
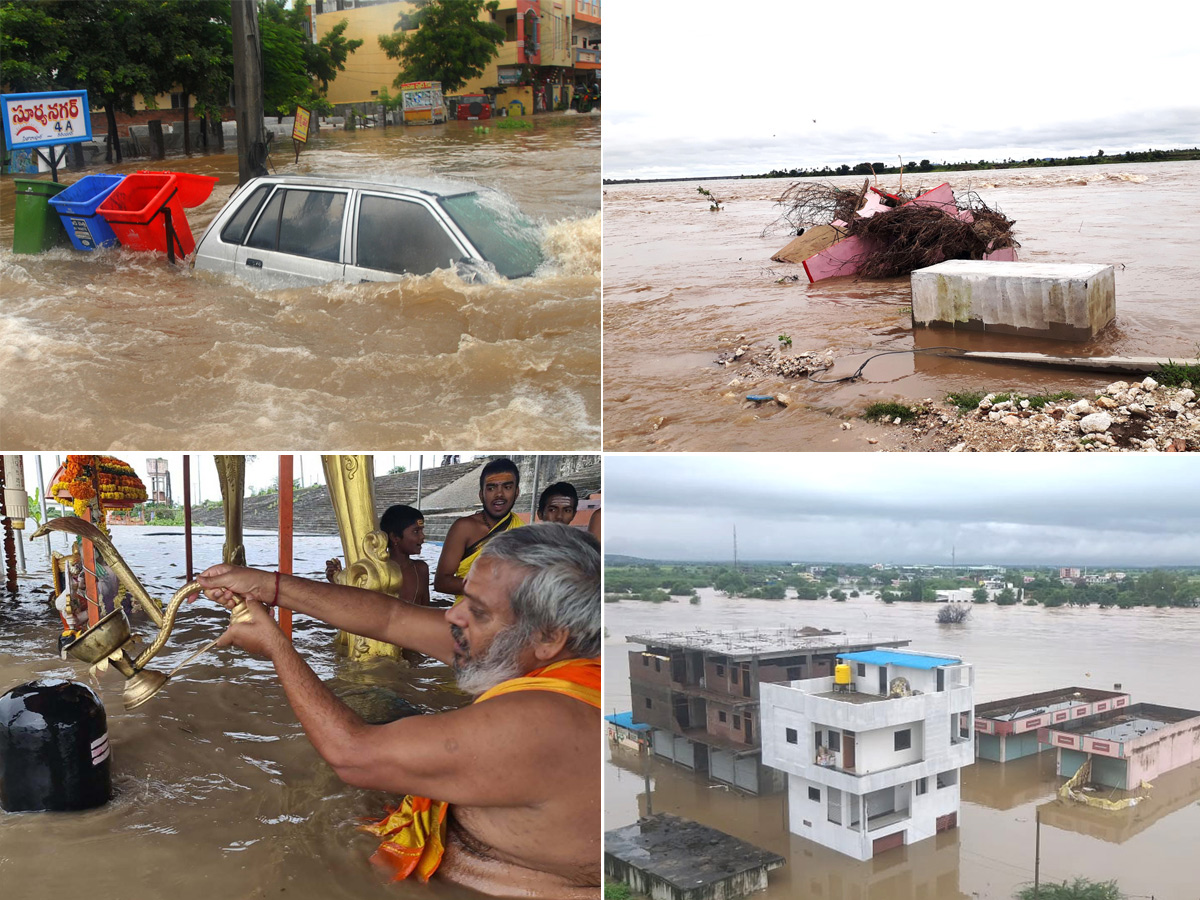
pixel 76 206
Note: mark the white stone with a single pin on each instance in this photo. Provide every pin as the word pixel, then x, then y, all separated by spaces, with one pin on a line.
pixel 1080 407
pixel 1064 300
pixel 1024 404
pixel 1117 387
pixel 1187 395
pixel 1095 423
pixel 1010 420
pixel 1149 384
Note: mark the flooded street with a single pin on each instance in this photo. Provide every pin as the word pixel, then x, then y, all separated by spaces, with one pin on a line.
pixel 1148 849
pixel 683 284
pixel 117 349
pixel 218 793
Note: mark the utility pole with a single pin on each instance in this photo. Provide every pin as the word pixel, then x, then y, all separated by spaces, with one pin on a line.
pixel 1037 851
pixel 735 548
pixel 248 90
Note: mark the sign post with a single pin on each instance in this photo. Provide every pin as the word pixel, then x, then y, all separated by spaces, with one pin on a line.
pixel 300 129
pixel 48 119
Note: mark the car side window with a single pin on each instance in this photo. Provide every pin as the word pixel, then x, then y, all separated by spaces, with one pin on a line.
pixel 403 237
pixel 302 222
pixel 235 231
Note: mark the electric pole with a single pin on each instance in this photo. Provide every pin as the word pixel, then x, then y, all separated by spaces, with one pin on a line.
pixel 248 90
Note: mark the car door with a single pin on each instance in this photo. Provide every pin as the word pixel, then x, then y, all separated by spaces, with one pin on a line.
pixel 297 238
pixel 395 235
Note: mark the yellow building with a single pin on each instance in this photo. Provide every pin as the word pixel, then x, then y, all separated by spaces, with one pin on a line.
pixel 549 46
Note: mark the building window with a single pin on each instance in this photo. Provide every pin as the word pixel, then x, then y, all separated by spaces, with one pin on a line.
pixel 720 716
pixel 789 735
pixel 818 738
pixel 922 785
pixel 793 673
pixel 645 660
pixel 835 805
pixel 733 674
pixel 862 670
pixel 814 794
pixel 948 778
pixel 720 671
pixel 835 740
pixel 648 703
pixel 737 721
pixel 657 664
pixel 903 739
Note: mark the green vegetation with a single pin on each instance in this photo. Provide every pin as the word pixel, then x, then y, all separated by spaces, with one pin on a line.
pixel 513 123
pixel 971 399
pixel 785 340
pixel 714 202
pixel 450 43
pixel 1175 374
pixel 1080 889
pixel 888 410
pixel 616 890
pixel 965 399
pixel 656 582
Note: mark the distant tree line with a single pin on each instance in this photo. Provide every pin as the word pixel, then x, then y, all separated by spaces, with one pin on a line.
pixel 660 582
pixel 925 165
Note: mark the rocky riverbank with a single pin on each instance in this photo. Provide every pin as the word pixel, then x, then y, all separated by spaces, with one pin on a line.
pixel 1138 417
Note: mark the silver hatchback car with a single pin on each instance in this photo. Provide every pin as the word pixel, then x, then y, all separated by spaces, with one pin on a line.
pixel 289 230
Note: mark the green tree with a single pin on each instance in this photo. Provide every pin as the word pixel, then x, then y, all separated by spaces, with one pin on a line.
pixel 1080 889
pixel 31 47
pixel 1006 597
pixel 35 507
pixel 980 595
pixel 396 470
pixel 285 78
pixel 838 594
pixel 109 49
pixel 197 55
pixel 451 44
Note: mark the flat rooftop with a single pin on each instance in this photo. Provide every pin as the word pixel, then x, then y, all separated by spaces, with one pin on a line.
pixel 759 642
pixel 686 854
pixel 1013 708
pixel 902 660
pixel 1127 724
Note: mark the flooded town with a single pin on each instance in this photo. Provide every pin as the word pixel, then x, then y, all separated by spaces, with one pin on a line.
pixel 863 742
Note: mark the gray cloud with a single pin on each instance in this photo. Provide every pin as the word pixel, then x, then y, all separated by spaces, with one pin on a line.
pixel 912 508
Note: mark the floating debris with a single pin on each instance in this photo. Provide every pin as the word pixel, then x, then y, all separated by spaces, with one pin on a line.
pixel 876 234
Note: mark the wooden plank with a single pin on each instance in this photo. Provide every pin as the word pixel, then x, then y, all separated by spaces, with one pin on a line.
pixel 814 240
pixel 1124 364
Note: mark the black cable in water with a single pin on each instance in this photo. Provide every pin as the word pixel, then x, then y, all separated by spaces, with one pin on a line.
pixel 858 372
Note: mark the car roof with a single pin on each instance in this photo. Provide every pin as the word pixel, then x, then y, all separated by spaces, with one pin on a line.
pixel 433 187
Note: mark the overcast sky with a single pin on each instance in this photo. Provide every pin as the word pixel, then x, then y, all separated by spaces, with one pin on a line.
pixel 780 84
pixel 261 472
pixel 1000 509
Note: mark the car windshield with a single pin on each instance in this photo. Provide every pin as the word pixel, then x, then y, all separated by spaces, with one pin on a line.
pixel 506 239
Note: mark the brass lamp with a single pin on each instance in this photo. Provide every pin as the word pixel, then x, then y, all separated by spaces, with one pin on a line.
pixel 110 639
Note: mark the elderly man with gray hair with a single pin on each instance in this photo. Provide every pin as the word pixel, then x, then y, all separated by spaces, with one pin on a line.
pixel 503 795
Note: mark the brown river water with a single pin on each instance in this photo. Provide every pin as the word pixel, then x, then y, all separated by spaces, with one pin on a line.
pixel 118 349
pixel 1149 849
pixel 217 791
pixel 682 284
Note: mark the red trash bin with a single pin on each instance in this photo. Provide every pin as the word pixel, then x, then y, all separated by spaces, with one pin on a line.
pixel 136 209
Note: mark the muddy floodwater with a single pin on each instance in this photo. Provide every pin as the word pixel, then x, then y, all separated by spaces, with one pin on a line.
pixel 120 349
pixel 217 791
pixel 1149 849
pixel 682 284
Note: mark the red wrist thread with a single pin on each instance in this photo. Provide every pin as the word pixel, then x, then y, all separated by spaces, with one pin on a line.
pixel 275 599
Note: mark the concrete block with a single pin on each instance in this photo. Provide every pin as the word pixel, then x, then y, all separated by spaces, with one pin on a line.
pixel 1065 301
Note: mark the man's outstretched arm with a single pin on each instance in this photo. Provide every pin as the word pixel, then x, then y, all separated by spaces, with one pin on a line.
pixel 352 609
pixel 505 752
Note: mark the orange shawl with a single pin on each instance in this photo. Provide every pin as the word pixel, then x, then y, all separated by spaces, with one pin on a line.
pixel 414 832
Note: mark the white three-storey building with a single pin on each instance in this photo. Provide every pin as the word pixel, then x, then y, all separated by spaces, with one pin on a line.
pixel 872 754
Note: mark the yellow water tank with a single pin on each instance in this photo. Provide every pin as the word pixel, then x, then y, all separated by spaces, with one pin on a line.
pixel 841 674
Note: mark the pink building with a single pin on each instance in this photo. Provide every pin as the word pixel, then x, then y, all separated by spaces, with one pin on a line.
pixel 1127 746
pixel 1008 729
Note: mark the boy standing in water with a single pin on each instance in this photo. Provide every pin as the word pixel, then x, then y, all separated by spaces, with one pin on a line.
pixel 405 528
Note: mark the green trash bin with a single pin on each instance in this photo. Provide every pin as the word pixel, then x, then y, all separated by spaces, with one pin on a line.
pixel 36 224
